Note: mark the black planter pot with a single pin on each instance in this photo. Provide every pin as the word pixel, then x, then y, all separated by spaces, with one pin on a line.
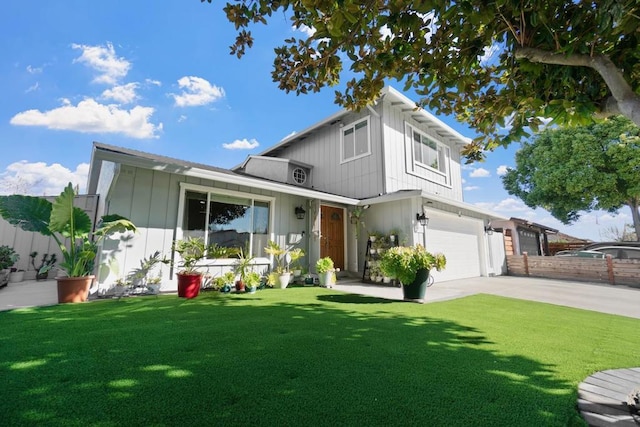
pixel 42 276
pixel 415 291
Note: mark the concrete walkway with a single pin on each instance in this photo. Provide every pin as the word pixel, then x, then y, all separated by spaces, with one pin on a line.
pixel 619 300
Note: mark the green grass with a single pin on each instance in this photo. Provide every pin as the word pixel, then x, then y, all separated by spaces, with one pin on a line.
pixel 304 356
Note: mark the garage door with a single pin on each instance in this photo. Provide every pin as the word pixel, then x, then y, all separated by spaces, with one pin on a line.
pixel 458 240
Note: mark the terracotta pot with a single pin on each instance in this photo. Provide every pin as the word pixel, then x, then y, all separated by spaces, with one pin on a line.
pixel 189 285
pixel 239 286
pixel 74 289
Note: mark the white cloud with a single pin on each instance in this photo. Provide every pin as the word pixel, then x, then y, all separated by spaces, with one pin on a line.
pixel 104 60
pixel 124 94
pixel 196 91
pixel 506 206
pixel 308 31
pixel 41 179
pixel 490 52
pixel 90 116
pixel 32 88
pixel 153 82
pixel 241 144
pixel 480 173
pixel 502 170
pixel 34 70
pixel 182 118
pixel 471 188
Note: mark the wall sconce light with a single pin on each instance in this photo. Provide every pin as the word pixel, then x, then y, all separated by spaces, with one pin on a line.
pixel 422 219
pixel 488 230
pixel 300 212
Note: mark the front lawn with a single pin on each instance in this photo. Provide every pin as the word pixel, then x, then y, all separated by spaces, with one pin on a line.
pixel 304 356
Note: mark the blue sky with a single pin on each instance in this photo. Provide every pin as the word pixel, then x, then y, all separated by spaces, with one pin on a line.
pixel 158 77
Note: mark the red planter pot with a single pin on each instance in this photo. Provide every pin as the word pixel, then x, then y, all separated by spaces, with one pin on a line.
pixel 74 289
pixel 189 285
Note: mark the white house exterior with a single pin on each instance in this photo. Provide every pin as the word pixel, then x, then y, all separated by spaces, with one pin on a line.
pixel 392 157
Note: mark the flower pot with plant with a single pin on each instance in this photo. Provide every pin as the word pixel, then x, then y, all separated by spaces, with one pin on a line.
pixel 325 269
pixel 62 220
pixel 411 266
pixel 242 268
pixel 283 258
pixel 226 281
pixel 251 282
pixel 46 264
pixel 191 251
pixel 8 257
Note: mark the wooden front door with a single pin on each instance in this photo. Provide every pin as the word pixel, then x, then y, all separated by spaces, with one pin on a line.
pixel 332 232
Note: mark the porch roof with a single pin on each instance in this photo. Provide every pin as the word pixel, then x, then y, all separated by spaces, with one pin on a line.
pixel 407 194
pixel 104 152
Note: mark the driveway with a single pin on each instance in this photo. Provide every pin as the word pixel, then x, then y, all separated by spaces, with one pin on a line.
pixel 619 300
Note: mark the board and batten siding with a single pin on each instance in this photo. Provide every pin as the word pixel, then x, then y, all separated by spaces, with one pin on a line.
pixel 150 198
pixel 397 175
pixel 359 178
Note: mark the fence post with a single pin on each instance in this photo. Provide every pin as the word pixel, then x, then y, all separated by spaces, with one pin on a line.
pixel 612 279
pixel 525 256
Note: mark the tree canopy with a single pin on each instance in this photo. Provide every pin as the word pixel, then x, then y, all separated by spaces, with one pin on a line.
pixel 566 60
pixel 580 169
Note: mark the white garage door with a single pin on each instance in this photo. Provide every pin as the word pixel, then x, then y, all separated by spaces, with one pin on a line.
pixel 458 240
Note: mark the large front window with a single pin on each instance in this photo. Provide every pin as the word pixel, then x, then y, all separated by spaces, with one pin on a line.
pixel 227 220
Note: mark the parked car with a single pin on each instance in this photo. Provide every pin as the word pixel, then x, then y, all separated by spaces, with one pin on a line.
pixel 617 250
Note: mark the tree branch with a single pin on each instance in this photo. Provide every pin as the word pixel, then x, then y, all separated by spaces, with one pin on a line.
pixel 628 102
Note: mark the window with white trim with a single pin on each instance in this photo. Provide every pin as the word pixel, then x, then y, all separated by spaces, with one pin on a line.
pixel 429 153
pixel 299 176
pixel 227 219
pixel 355 141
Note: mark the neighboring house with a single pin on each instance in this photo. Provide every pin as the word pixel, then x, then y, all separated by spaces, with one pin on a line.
pixel 521 235
pixel 395 159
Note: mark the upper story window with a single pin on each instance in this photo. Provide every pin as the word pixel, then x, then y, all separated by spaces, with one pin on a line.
pixel 355 141
pixel 228 219
pixel 428 153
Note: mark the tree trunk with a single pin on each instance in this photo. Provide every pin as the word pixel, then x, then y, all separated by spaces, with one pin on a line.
pixel 635 215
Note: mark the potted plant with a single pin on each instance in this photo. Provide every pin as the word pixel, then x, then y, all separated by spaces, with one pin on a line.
pixel 16 275
pixel 225 282
pixel 62 220
pixel 411 266
pixel 325 269
pixel 46 264
pixel 283 258
pixel 242 268
pixel 252 281
pixel 191 250
pixel 8 257
pixel 356 217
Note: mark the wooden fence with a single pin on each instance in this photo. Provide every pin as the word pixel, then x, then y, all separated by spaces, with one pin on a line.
pixel 608 270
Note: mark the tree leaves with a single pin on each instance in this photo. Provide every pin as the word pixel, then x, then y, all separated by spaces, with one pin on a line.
pixel 435 48
pixel 567 171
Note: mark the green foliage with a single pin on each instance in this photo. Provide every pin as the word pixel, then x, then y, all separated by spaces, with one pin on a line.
pixel 46 263
pixel 252 280
pixel 297 348
pixel 402 262
pixel 324 265
pixel 64 221
pixel 560 59
pixel 191 250
pixel 567 171
pixel 283 256
pixel 8 257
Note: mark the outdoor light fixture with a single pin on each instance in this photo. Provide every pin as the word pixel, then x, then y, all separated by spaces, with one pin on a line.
pixel 300 212
pixel 489 229
pixel 422 219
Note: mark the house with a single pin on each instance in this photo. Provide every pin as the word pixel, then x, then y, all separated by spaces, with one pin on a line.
pixel 521 235
pixel 393 159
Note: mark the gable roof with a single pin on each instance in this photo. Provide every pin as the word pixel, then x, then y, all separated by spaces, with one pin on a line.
pixel 104 152
pixel 397 99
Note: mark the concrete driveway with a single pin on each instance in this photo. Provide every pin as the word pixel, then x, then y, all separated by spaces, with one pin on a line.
pixel 619 300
